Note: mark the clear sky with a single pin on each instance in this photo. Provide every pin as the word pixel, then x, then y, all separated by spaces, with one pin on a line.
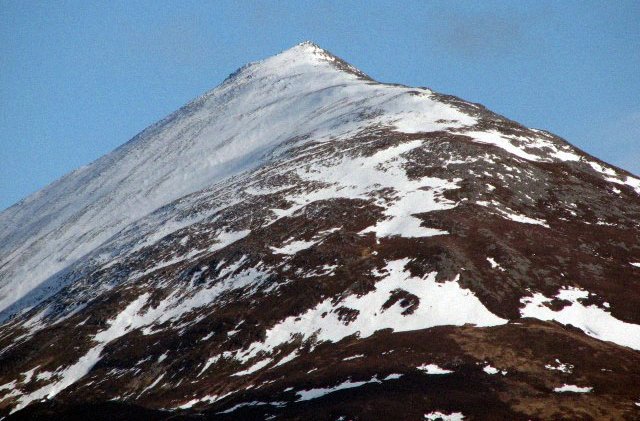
pixel 79 78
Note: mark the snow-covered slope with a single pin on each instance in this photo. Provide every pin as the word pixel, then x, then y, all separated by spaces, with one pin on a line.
pixel 303 241
pixel 233 128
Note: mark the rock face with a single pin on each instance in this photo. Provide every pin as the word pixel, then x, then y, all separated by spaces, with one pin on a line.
pixel 303 242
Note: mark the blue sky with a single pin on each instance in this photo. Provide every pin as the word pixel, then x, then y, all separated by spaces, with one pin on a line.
pixel 79 78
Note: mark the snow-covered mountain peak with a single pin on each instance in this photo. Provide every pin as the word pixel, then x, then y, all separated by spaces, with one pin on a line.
pixel 306 52
pixel 306 47
pixel 301 95
pixel 276 239
pixel 305 59
pixel 309 45
pixel 309 52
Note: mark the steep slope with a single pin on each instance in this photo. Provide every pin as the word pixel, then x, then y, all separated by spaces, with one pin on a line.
pixel 234 128
pixel 303 241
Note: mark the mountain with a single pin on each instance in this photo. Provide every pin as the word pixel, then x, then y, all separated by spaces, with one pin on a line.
pixel 303 242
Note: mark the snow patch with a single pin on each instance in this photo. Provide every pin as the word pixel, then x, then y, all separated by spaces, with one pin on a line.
pixel 226 238
pixel 523 219
pixel 572 389
pixel 293 247
pixel 287 358
pixel 209 363
pixel 632 182
pixel 253 403
pixel 441 416
pixel 123 323
pixel 603 170
pixel 255 367
pixel 497 139
pixel 560 366
pixel 492 370
pixel 358 178
pixel 305 395
pixel 550 152
pixel 152 385
pixel 208 399
pixel 433 369
pixel 441 303
pixel 592 320
pixel 494 264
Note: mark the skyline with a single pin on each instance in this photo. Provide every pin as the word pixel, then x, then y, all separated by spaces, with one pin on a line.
pixel 83 78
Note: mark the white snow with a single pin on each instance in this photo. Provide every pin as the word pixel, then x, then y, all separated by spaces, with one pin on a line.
pixel 257 366
pixel 189 404
pixel 229 130
pixel 632 182
pixel 441 303
pixel 560 366
pixel 8 386
pixel 358 178
pixel 433 369
pixel 550 152
pixel 28 375
pixel 13 391
pixel 305 395
pixel 437 415
pixel 613 177
pixel 495 138
pixel 492 370
pixel 226 238
pixel 132 317
pixel 572 388
pixel 636 264
pixel 603 170
pixel 293 247
pixel 287 358
pixel 182 302
pixel 510 214
pixel 65 377
pixel 592 320
pixel 152 385
pixel 208 363
pixel 252 403
pixel 561 152
pixel 207 399
pixel 353 357
pixel 207 336
pixel 494 264
pixel 45 375
pixel 523 219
